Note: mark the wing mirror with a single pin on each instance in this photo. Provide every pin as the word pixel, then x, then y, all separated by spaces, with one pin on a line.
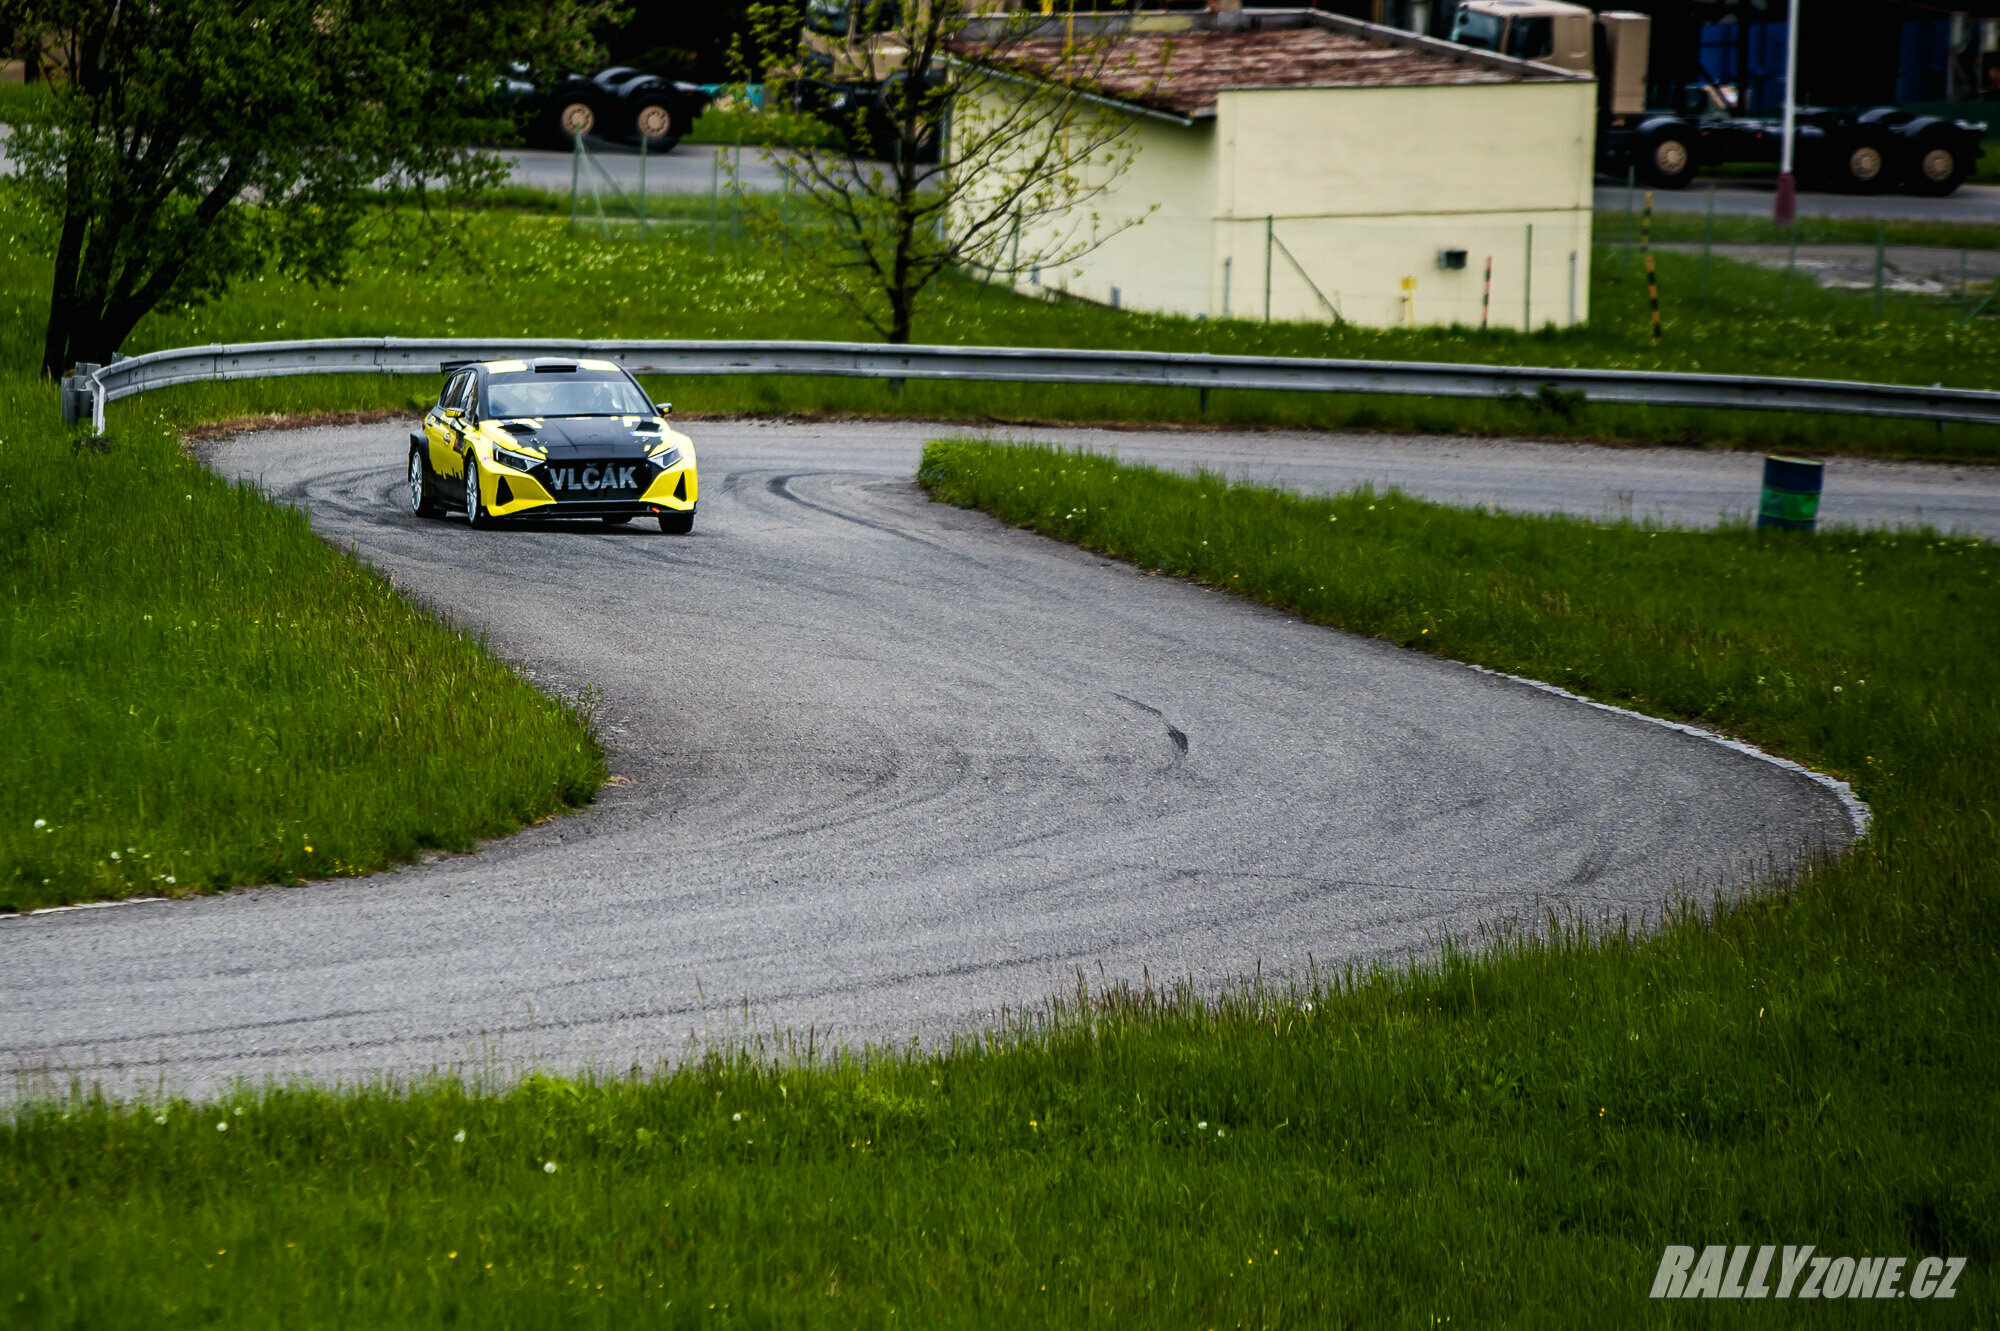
pixel 452 413
pixel 664 408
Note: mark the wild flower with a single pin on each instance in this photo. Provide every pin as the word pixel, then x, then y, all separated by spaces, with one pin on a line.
pixel 549 1168
pixel 459 1136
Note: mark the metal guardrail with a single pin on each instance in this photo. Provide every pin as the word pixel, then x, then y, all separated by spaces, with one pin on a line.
pixel 94 385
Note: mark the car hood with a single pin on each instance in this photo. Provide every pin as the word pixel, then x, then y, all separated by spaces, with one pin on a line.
pixel 594 437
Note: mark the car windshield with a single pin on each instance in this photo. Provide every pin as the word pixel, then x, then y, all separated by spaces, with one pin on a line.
pixel 1476 29
pixel 573 394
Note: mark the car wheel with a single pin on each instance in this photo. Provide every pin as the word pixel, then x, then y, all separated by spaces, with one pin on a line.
pixel 675 523
pixel 475 512
pixel 1668 160
pixel 1938 168
pixel 423 492
pixel 575 117
pixel 653 122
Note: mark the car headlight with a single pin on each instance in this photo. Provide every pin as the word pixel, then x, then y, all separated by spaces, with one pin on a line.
pixel 507 457
pixel 668 458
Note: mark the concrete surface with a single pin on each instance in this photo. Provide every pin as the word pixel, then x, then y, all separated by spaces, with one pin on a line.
pixel 888 767
pixel 1911 270
pixel 1971 203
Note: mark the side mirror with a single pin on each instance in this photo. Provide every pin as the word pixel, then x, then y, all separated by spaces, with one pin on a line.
pixel 452 413
pixel 664 408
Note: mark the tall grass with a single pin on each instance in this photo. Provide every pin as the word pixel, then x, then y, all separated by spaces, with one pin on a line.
pixel 1507 1138
pixel 201 693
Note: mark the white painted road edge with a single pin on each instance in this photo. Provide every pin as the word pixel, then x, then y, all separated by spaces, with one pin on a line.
pixel 1857 809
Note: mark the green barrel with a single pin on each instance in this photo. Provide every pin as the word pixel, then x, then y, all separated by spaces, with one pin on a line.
pixel 1791 493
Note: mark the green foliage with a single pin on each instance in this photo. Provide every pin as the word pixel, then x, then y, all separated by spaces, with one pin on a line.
pixel 1501 1139
pixel 200 140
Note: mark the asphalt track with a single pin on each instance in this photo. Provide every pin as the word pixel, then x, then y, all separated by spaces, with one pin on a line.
pixel 889 768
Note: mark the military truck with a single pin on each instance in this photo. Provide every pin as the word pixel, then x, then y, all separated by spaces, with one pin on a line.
pixel 1865 152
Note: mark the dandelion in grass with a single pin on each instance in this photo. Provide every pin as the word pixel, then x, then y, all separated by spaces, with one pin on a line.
pixel 549 1168
pixel 222 1126
pixel 459 1136
pixel 1203 1124
pixel 41 822
pixel 736 1118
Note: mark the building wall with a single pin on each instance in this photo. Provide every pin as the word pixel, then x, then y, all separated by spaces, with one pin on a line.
pixel 1331 198
pixel 1308 202
pixel 1359 189
pixel 1159 220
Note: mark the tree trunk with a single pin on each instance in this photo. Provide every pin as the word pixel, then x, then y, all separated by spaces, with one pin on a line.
pixel 57 345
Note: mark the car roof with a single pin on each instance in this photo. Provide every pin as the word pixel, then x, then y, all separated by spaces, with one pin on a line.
pixel 543 362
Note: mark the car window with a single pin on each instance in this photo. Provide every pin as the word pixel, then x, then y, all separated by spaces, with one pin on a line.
pixel 454 390
pixel 565 395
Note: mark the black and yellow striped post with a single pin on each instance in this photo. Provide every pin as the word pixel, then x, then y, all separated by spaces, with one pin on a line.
pixel 1791 493
pixel 1652 277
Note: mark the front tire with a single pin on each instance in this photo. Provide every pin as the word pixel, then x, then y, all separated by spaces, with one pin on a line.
pixel 675 523
pixel 575 117
pixel 475 512
pixel 423 489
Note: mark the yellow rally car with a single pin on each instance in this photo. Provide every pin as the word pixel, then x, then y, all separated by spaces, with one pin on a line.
pixel 550 438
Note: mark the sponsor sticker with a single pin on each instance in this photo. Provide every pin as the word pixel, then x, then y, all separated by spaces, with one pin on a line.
pixel 1770 1272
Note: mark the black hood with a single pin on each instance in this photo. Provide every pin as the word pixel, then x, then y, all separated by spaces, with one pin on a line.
pixel 594 437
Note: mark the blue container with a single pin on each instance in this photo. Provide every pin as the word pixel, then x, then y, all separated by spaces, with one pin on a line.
pixel 1791 493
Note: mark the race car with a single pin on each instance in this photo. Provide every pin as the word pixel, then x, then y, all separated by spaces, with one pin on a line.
pixel 551 438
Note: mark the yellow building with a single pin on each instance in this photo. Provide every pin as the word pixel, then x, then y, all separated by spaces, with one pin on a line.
pixel 1299 165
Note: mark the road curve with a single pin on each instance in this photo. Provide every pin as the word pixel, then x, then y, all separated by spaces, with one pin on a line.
pixel 891 766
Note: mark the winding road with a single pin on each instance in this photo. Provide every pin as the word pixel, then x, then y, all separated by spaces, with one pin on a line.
pixel 890 767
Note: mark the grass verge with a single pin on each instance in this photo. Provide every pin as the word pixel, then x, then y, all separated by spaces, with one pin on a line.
pixel 1503 1139
pixel 202 693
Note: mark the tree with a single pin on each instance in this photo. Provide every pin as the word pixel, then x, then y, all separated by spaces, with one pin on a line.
pixel 972 139
pixel 196 142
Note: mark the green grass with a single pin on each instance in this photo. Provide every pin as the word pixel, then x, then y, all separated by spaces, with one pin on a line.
pixel 1503 1139
pixel 22 101
pixel 524 273
pixel 1611 229
pixel 724 125
pixel 203 693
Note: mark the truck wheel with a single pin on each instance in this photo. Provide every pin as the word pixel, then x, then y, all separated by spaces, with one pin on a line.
pixel 1668 159
pixel 653 121
pixel 574 116
pixel 1863 166
pixel 1937 167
